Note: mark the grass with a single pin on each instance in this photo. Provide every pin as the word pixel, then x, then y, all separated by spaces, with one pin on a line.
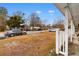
pixel 28 45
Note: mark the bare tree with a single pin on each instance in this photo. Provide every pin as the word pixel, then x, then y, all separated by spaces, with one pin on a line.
pixel 35 20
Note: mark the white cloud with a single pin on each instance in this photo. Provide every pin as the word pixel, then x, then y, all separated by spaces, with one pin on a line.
pixel 38 12
pixel 50 11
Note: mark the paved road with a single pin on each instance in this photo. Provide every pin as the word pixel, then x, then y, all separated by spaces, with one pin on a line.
pixel 33 32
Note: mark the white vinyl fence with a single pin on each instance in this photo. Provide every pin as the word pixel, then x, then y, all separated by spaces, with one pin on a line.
pixel 60 42
pixel 61 45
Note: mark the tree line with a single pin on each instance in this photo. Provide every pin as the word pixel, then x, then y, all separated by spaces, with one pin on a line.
pixel 18 19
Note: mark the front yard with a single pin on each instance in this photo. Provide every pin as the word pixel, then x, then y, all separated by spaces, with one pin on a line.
pixel 38 44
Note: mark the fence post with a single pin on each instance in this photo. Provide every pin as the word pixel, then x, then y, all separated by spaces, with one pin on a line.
pixel 66 31
pixel 57 41
pixel 71 31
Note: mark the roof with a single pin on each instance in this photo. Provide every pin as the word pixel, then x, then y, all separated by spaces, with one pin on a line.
pixel 73 8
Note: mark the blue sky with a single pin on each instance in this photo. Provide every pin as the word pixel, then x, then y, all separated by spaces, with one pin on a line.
pixel 47 11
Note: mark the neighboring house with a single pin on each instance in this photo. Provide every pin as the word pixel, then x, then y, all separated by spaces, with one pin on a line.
pixel 35 28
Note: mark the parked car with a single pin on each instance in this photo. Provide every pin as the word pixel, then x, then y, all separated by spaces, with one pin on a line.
pixel 15 32
pixel 52 30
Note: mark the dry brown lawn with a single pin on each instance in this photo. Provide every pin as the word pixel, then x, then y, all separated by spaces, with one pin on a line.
pixel 28 45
